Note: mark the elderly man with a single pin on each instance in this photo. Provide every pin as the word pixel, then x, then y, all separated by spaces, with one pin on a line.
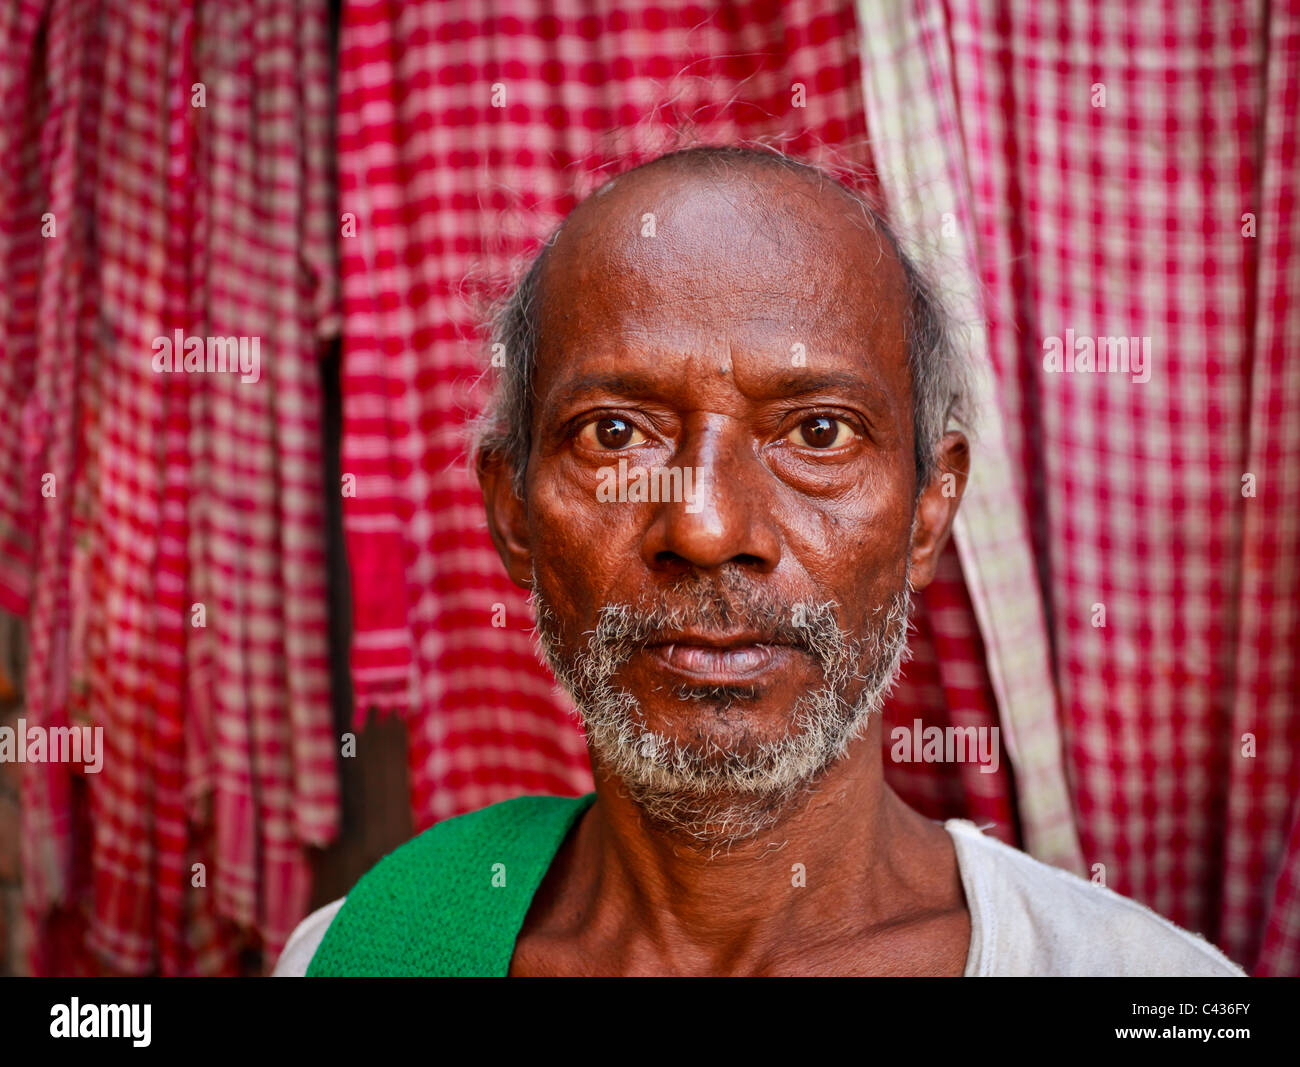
pixel 721 459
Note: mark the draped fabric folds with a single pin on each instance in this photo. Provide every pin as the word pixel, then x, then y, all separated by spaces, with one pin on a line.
pixel 165 166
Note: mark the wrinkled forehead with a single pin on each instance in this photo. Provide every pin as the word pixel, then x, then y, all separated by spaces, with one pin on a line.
pixel 671 245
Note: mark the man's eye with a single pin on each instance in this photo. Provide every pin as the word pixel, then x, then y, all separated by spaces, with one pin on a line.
pixel 821 431
pixel 610 434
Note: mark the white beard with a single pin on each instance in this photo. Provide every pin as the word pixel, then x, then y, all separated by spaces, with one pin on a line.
pixel 707 794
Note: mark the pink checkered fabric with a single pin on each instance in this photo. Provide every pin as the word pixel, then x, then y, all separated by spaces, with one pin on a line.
pixel 447 190
pixel 1131 215
pixel 173 489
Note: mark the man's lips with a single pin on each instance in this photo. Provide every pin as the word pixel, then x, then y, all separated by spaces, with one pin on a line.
pixel 709 660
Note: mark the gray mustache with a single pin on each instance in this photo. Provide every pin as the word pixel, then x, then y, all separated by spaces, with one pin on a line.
pixel 633 627
pixel 773 625
pixel 728 602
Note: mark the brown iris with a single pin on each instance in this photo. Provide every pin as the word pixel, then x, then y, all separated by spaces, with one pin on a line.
pixel 821 431
pixel 614 433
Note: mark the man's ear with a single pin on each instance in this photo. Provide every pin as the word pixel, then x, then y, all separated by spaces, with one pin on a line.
pixel 506 517
pixel 937 507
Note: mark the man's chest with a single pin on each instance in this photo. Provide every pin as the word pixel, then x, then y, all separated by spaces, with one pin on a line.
pixel 935 947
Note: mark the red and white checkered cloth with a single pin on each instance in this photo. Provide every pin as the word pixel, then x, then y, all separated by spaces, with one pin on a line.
pixel 1129 219
pixel 172 489
pixel 448 190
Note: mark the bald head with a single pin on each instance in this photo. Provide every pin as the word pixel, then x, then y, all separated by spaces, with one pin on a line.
pixel 704 226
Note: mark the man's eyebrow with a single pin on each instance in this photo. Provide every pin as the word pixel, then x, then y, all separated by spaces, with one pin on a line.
pixel 794 383
pixel 619 384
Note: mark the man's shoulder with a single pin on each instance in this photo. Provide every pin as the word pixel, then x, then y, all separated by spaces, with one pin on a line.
pixel 305 940
pixel 471 871
pixel 1035 919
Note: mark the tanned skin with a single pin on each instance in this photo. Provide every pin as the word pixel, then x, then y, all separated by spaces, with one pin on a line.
pixel 687 338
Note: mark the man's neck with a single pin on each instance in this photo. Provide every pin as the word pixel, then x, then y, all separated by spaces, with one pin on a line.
pixel 846 859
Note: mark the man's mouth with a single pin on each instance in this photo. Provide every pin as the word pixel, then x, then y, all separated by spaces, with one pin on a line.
pixel 718 660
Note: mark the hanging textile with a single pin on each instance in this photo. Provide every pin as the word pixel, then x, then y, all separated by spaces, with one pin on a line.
pixel 165 167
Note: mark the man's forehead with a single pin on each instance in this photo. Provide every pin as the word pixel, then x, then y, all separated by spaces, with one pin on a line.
pixel 756 241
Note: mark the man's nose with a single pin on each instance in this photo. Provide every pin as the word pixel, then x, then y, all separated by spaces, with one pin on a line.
pixel 725 515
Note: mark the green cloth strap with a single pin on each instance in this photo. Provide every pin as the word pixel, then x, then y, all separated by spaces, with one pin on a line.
pixel 452 900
